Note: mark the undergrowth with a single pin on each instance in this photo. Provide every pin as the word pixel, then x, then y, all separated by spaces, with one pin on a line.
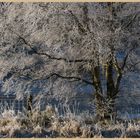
pixel 49 123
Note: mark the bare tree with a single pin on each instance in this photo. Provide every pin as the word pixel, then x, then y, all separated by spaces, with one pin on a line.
pixel 90 43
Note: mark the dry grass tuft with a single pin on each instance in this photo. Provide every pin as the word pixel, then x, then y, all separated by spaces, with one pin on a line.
pixel 49 123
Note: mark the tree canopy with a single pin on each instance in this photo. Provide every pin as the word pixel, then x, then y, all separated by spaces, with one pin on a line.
pixel 60 45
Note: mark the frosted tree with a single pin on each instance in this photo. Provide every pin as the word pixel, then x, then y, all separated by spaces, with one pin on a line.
pixel 68 44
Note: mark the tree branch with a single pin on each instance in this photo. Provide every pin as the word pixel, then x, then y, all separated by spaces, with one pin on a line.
pixel 130 22
pixel 86 19
pixel 48 55
pixel 20 71
pixel 125 58
pixel 73 78
pixel 80 26
pixel 133 66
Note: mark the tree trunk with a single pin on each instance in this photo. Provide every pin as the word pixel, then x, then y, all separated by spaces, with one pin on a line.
pixel 105 105
pixel 98 93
